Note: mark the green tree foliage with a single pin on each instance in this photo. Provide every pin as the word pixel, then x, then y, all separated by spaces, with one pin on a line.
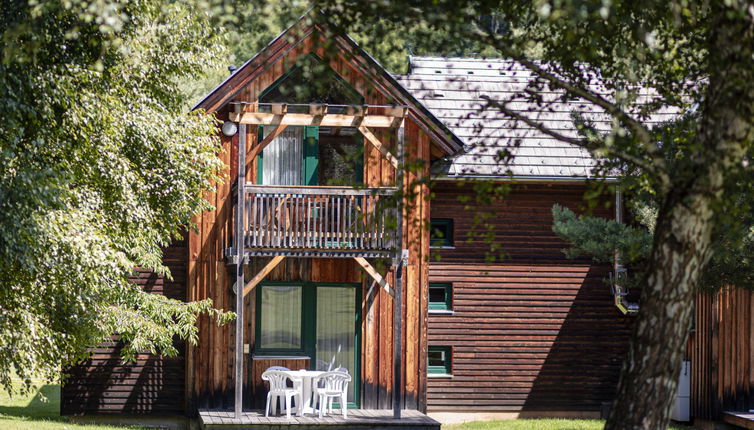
pixel 600 237
pixel 100 167
pixel 730 262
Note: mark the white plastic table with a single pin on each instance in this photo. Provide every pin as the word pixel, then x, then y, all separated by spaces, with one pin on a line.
pixel 306 377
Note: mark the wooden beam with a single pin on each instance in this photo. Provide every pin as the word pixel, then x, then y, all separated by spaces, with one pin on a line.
pixel 266 141
pixel 377 144
pixel 262 274
pixel 318 110
pixel 239 360
pixel 279 109
pixel 320 190
pixel 375 274
pixel 325 120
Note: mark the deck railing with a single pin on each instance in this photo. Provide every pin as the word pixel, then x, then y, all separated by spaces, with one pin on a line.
pixel 318 218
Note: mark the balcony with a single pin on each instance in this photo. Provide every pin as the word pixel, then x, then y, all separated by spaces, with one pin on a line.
pixel 318 221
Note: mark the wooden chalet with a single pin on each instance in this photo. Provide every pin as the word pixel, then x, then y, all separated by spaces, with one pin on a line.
pixel 318 242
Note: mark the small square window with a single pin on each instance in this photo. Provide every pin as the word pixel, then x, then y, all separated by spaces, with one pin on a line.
pixel 440 296
pixel 438 360
pixel 441 232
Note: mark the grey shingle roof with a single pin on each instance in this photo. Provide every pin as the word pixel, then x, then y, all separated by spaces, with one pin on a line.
pixel 453 89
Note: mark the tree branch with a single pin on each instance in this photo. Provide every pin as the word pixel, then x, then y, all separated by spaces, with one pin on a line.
pixel 582 143
pixel 658 162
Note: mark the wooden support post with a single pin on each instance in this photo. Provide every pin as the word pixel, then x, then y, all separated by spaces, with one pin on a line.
pixel 266 141
pixel 262 274
pixel 377 144
pixel 398 297
pixel 375 275
pixel 240 260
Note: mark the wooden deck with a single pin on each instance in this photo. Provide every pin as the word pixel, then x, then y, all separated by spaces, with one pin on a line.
pixel 741 419
pixel 360 419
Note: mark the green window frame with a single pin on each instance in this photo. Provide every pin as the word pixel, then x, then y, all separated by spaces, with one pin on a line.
pixel 437 290
pixel 439 360
pixel 440 232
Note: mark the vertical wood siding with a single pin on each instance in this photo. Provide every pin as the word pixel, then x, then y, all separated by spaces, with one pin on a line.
pixel 153 384
pixel 721 350
pixel 535 331
pixel 210 364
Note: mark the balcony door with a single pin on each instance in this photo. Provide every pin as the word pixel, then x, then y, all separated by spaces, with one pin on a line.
pixel 312 155
pixel 291 158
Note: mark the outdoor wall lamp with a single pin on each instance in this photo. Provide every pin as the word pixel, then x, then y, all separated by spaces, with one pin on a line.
pixel 230 128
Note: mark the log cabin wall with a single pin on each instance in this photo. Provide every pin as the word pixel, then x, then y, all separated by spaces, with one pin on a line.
pixel 721 350
pixel 210 363
pixel 533 332
pixel 153 384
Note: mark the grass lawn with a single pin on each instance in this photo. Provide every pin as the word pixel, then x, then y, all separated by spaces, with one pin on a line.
pixel 536 424
pixel 39 411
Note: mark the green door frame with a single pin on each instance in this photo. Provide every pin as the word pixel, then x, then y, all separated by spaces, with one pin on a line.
pixel 309 327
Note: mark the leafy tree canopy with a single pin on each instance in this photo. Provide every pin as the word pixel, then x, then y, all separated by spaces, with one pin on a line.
pixel 101 165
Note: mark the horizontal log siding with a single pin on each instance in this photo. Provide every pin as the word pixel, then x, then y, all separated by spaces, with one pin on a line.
pixel 535 331
pixel 152 384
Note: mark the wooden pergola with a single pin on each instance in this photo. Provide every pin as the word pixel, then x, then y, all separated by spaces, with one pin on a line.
pixel 280 115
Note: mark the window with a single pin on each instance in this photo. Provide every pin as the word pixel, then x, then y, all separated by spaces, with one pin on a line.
pixel 280 318
pixel 440 297
pixel 441 232
pixel 439 360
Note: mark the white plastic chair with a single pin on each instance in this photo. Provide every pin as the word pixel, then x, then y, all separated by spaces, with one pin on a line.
pixel 278 380
pixel 329 386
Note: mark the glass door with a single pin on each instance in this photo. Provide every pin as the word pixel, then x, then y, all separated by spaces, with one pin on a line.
pixel 337 328
pixel 291 158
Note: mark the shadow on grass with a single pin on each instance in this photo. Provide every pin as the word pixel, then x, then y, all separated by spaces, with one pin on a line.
pixel 44 405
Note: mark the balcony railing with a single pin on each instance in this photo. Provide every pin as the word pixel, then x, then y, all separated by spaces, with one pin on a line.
pixel 322 219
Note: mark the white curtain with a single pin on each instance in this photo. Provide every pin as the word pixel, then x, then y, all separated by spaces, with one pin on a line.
pixel 336 335
pixel 281 317
pixel 282 157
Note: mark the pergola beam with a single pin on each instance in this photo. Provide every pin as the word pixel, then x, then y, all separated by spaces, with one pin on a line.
pixel 324 120
pixel 262 274
pixel 378 144
pixel 375 275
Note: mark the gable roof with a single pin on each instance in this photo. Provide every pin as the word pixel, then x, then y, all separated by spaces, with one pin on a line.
pixel 454 90
pixel 380 78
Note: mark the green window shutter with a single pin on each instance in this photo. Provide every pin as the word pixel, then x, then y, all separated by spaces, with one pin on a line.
pixel 260 160
pixel 310 175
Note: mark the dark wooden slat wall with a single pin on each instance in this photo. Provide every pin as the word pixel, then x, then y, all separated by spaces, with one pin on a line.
pixel 533 332
pixel 721 350
pixel 210 363
pixel 153 384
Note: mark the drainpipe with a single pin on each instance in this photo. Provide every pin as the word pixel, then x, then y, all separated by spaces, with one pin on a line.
pixel 620 292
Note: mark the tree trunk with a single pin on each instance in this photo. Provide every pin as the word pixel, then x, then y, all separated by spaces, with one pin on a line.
pixel 682 239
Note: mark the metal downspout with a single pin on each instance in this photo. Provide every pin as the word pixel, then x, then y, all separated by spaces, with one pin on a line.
pixel 620 292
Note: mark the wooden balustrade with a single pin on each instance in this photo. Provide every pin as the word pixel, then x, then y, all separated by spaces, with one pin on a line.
pixel 319 218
